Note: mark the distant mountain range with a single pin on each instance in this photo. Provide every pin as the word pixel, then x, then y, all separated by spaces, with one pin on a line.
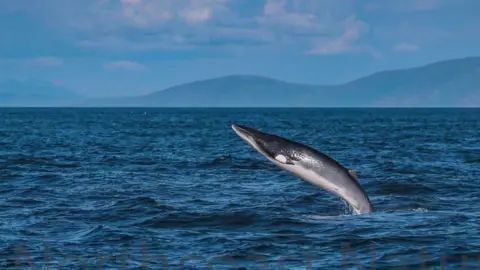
pixel 35 93
pixel 450 83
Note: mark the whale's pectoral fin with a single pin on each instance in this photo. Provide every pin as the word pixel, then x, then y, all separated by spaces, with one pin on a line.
pixel 354 173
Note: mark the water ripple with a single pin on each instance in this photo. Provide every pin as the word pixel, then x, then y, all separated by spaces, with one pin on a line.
pixel 145 187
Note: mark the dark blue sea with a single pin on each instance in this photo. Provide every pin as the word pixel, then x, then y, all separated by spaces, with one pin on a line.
pixel 149 188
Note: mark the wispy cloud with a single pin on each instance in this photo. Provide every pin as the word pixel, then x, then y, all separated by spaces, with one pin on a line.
pixel 298 26
pixel 124 64
pixel 407 5
pixel 406 47
pixel 45 61
pixel 294 25
pixel 352 28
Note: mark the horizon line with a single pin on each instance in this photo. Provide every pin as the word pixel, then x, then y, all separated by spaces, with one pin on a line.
pixel 229 107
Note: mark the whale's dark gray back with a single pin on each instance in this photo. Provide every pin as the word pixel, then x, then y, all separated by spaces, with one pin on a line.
pixel 328 168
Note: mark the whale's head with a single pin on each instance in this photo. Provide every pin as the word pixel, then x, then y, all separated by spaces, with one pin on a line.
pixel 277 149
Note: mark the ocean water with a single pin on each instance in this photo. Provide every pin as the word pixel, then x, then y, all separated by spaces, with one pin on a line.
pixel 145 188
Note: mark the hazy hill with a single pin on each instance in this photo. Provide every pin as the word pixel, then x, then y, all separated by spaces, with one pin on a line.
pixel 240 91
pixel 447 83
pixel 227 91
pixel 34 93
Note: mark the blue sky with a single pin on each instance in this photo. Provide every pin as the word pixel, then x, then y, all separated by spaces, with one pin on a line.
pixel 128 47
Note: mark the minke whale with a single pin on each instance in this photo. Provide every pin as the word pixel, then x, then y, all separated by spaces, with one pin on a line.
pixel 310 165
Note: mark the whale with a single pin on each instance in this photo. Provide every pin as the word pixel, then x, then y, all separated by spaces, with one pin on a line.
pixel 310 165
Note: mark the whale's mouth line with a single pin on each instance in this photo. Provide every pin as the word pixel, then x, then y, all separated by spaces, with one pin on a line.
pixel 242 130
pixel 252 139
pixel 249 137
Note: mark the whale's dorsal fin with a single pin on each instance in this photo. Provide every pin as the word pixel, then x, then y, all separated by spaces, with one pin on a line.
pixel 354 173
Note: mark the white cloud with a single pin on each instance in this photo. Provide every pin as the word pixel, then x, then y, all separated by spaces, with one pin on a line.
pixel 323 26
pixel 352 28
pixel 294 25
pixel 408 5
pixel 125 64
pixel 145 13
pixel 45 61
pixel 406 47
pixel 196 15
pixel 158 13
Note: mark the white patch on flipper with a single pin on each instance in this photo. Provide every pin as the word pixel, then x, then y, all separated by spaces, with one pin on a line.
pixel 281 158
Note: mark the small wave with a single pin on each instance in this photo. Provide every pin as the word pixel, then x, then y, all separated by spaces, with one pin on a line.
pixel 61 164
pixel 322 217
pixel 191 219
pixel 239 163
pixel 87 232
pixel 404 208
pixel 306 198
pixel 23 202
pixel 141 201
pixel 49 176
pixel 220 159
pixel 399 188
pixel 145 201
pixel 78 235
pixel 420 209
pixel 286 221
pixel 42 163
pixel 471 159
